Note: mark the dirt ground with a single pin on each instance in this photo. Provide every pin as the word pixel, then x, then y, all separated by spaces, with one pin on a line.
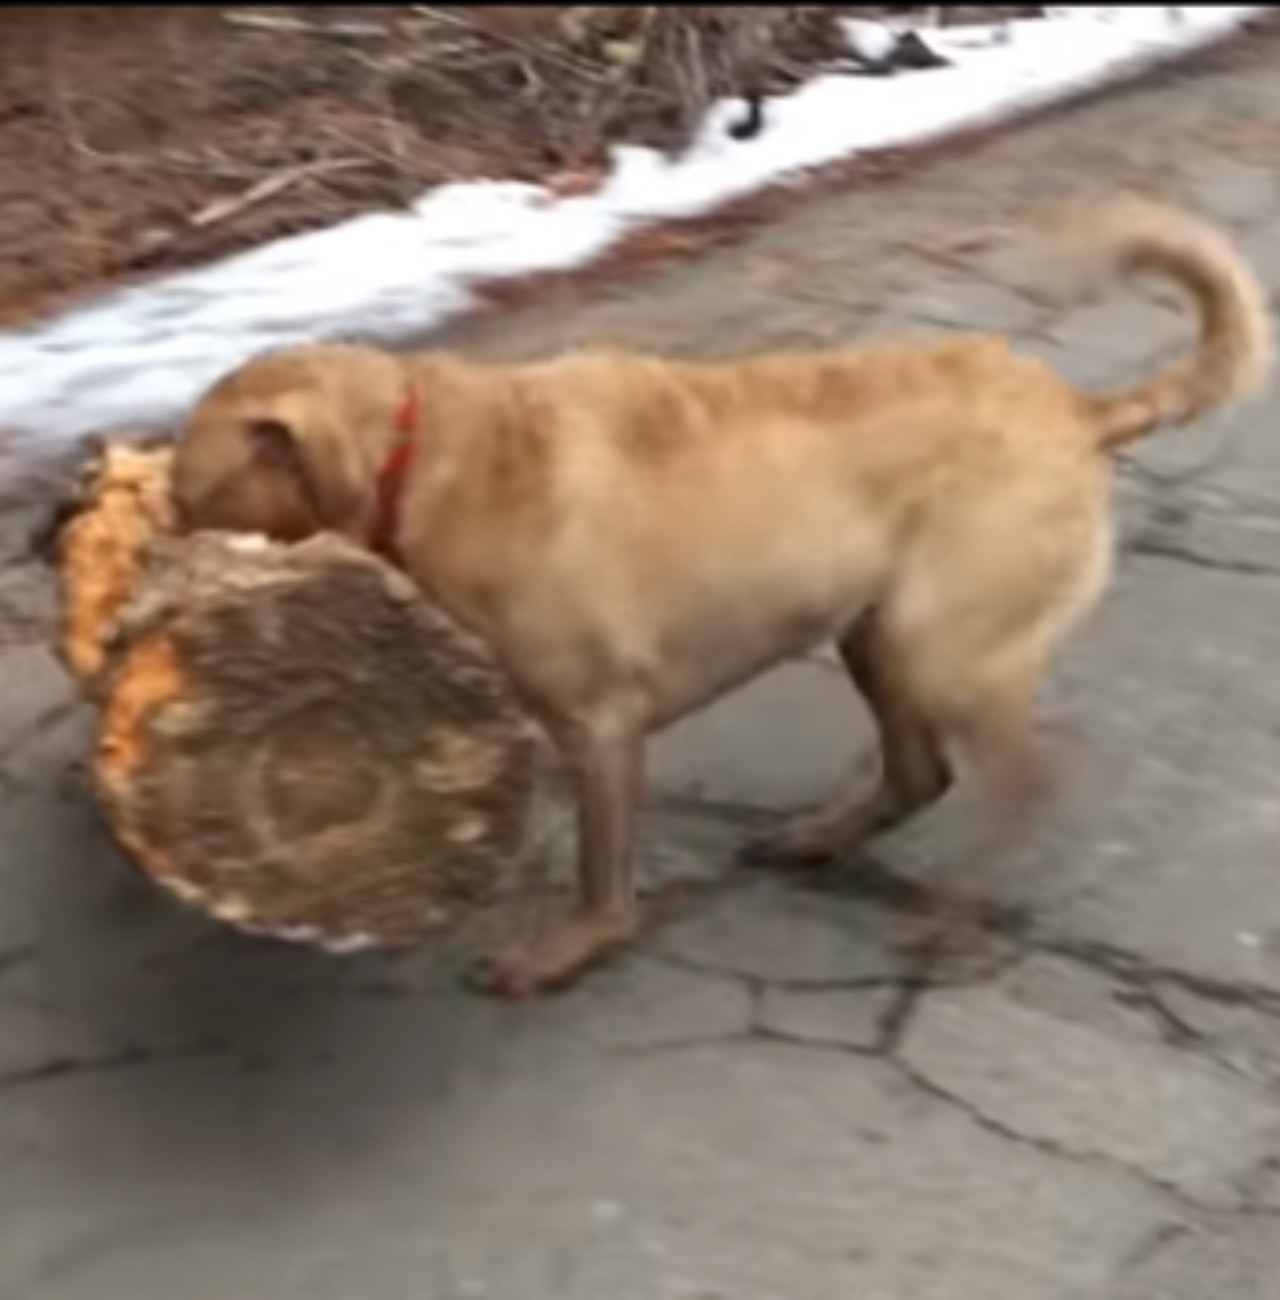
pixel 142 138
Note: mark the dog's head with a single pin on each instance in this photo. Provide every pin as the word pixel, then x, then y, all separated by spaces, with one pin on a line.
pixel 289 443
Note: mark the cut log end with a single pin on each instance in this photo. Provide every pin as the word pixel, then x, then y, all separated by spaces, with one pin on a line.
pixel 291 739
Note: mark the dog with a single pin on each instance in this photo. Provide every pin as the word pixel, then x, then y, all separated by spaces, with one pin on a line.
pixel 634 536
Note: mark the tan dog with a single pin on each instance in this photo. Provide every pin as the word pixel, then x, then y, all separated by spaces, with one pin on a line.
pixel 634 537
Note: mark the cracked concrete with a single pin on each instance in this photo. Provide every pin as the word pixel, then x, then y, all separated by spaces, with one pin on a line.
pixel 1036 1078
pixel 763 1102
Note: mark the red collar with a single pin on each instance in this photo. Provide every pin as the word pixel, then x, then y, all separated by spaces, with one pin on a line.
pixel 390 481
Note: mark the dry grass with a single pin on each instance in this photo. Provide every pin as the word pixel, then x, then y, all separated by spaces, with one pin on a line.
pixel 147 137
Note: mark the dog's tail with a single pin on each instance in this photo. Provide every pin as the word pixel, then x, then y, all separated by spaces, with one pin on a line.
pixel 1232 359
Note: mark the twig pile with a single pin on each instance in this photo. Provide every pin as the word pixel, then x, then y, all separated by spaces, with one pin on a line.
pixel 161 136
pixel 600 74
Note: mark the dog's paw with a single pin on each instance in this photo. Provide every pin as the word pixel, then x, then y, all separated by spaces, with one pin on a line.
pixel 556 959
pixel 948 943
pixel 785 849
pixel 503 976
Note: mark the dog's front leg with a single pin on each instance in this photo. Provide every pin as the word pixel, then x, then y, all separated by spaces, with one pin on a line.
pixel 605 756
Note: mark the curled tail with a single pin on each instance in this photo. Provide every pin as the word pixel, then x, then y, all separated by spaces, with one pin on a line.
pixel 1232 359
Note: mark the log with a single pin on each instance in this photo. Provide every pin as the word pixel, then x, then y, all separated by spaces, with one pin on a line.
pixel 114 512
pixel 290 737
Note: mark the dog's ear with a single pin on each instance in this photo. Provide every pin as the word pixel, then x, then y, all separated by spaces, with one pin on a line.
pixel 275 445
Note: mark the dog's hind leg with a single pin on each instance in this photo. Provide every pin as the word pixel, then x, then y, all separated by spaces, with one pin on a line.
pixel 974 656
pixel 990 738
pixel 913 769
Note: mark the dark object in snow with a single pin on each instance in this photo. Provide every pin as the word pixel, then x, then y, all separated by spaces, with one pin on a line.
pixel 912 54
pixel 880 51
pixel 750 126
